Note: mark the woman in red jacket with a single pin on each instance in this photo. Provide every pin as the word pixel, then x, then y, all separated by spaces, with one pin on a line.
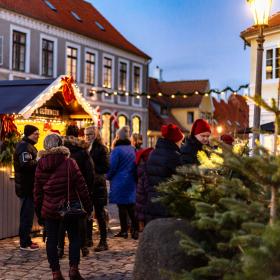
pixel 54 170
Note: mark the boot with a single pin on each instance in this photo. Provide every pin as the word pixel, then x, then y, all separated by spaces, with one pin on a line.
pixel 60 252
pixel 121 234
pixel 57 275
pixel 85 251
pixel 102 246
pixel 74 273
pixel 134 234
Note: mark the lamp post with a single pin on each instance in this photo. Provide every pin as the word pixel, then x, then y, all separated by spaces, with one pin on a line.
pixel 261 11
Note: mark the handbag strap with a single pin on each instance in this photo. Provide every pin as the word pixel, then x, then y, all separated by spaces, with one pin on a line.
pixel 68 187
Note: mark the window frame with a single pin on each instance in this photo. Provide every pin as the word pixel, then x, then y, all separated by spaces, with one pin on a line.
pixel 95 52
pixel 125 101
pixel 272 47
pixel 190 112
pixel 27 48
pixel 104 98
pixel 136 104
pixel 54 40
pixel 78 47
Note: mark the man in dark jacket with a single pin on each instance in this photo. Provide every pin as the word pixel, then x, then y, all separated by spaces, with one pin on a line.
pixel 161 165
pixel 25 166
pixel 100 156
pixel 200 134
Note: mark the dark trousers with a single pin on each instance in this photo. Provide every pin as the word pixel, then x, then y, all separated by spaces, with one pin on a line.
pixel 52 228
pixel 26 220
pixel 82 224
pixel 101 220
pixel 124 211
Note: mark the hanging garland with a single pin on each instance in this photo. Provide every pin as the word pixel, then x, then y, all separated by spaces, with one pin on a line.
pixel 174 95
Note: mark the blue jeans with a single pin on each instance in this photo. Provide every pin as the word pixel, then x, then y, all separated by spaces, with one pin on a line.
pixel 26 220
pixel 52 229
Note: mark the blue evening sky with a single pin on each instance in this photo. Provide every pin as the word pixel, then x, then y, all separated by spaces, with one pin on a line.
pixel 188 39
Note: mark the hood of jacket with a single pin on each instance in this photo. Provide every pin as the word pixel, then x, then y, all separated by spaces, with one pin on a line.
pixel 143 154
pixel 51 159
pixel 74 143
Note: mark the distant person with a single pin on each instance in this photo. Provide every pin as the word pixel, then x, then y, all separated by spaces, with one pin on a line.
pixel 136 141
pixel 122 177
pixel 100 156
pixel 58 178
pixel 227 139
pixel 200 134
pixel 25 165
pixel 161 165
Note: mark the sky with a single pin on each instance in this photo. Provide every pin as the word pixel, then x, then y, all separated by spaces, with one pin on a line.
pixel 188 39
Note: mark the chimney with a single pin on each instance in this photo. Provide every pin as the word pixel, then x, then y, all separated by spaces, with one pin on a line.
pixel 158 74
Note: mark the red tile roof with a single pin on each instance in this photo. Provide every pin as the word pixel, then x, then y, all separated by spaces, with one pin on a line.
pixel 273 23
pixel 178 86
pixel 63 18
pixel 156 120
pixel 236 110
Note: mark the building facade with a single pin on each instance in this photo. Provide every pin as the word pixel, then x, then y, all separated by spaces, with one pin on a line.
pixel 48 38
pixel 271 70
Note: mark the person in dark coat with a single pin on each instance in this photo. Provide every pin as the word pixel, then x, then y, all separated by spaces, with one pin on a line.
pixel 142 185
pixel 55 173
pixel 122 177
pixel 99 153
pixel 161 165
pixel 79 152
pixel 200 134
pixel 25 162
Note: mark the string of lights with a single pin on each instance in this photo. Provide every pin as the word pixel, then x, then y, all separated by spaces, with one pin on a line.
pixel 108 92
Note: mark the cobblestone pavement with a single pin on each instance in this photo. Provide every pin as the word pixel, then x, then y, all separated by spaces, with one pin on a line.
pixel 114 264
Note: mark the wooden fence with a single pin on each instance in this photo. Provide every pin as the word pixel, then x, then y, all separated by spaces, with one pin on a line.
pixel 9 205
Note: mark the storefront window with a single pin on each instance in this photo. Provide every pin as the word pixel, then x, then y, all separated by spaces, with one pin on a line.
pixel 136 125
pixel 106 130
pixel 122 120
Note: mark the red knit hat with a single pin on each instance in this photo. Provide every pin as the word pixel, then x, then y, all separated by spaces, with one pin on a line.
pixel 228 139
pixel 172 133
pixel 200 126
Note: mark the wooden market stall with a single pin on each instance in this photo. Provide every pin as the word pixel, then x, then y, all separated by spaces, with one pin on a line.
pixel 50 105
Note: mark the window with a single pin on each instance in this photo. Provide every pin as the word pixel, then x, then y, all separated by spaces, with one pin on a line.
pixel 136 125
pixel 71 63
pixel 50 5
pixel 164 111
pixel 107 72
pixel 272 65
pixel 106 130
pixel 76 16
pixel 100 26
pixel 269 64
pixel 136 75
pixel 190 117
pixel 122 120
pixel 47 58
pixel 123 76
pixel 19 50
pixel 1 50
pixel 90 68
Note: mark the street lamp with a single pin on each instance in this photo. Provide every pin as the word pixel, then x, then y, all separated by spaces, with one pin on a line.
pixel 261 11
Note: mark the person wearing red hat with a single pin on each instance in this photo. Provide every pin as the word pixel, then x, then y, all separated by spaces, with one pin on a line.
pixel 200 134
pixel 227 139
pixel 161 165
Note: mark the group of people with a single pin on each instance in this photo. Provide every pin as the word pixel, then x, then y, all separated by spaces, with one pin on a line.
pixel 72 169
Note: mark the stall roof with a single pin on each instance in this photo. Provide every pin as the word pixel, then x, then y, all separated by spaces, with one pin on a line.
pixel 17 94
pixel 25 96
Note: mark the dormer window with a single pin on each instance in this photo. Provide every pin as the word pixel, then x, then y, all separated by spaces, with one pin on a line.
pixel 50 5
pixel 76 16
pixel 100 26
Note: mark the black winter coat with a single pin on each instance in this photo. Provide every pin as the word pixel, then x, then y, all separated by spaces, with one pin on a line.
pixel 25 166
pixel 189 151
pixel 99 154
pixel 161 165
pixel 79 152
